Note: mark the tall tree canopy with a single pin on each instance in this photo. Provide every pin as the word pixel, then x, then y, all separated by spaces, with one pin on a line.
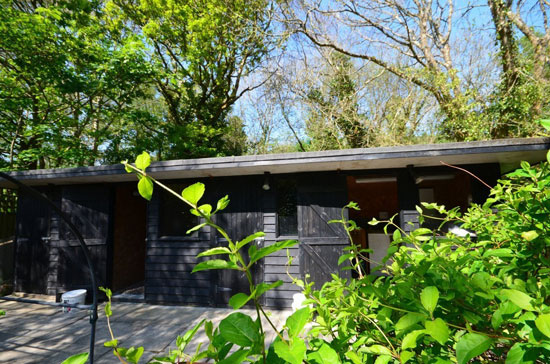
pixel 91 82
pixel 201 51
pixel 65 87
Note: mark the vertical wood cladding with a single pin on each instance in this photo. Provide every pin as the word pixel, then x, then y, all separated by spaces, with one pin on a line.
pixel 32 246
pixel 90 209
pixel 321 197
pixel 170 260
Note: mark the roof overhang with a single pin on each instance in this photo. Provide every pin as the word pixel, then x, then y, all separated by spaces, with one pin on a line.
pixel 507 152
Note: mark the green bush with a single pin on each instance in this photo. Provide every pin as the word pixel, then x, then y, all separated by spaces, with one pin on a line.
pixel 446 298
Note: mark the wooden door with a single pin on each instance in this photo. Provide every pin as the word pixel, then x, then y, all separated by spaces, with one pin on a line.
pixel 89 208
pixel 32 252
pixel 321 243
pixel 242 217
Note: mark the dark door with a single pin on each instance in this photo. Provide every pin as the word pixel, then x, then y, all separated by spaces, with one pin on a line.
pixel 89 210
pixel 32 252
pixel 321 243
pixel 242 217
pixel 128 267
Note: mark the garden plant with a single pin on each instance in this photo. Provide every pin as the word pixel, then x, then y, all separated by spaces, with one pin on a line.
pixel 438 297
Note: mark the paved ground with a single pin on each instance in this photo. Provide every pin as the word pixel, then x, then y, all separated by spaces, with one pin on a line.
pixel 31 333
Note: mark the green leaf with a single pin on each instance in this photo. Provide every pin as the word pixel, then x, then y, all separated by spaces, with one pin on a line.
pixel 409 341
pixel 518 298
pixel 215 264
pixel 429 297
pixel 545 123
pixel 259 254
pixel 206 209
pixel 111 344
pixel 193 193
pixel 132 354
pixel 405 356
pixel 530 235
pixel 383 359
pixel 143 161
pixel 471 345
pixel 239 300
pixel 409 320
pixel 127 167
pixel 249 238
pixel 189 334
pixel 501 253
pixel 261 288
pixel 378 349
pixel 239 329
pixel 543 324
pixel 2 313
pixel 214 251
pixel 345 257
pixel 296 322
pixel 222 203
pixel 396 235
pixel 194 228
pixel 108 311
pixel 238 356
pixel 515 354
pixel 292 352
pixel 354 357
pixel 107 292
pixel 437 329
pixel 325 355
pixel 77 359
pixel 145 188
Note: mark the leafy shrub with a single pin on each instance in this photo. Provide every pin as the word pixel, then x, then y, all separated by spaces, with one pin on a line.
pixel 447 298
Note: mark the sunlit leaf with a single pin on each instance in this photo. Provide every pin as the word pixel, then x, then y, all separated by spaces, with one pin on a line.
pixel 471 345
pixel 214 264
pixel 193 193
pixel 77 359
pixel 143 161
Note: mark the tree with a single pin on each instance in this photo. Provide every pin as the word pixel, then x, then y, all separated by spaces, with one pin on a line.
pixel 520 97
pixel 414 41
pixel 64 85
pixel 201 51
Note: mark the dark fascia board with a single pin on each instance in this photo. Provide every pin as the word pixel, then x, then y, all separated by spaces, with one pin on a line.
pixel 503 151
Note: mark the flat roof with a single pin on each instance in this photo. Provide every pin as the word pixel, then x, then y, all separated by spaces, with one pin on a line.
pixel 502 151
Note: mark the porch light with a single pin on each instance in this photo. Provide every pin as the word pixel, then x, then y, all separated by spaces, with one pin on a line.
pixel 266 186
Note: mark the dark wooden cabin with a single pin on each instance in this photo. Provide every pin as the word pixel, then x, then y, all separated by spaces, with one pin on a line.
pixel 134 242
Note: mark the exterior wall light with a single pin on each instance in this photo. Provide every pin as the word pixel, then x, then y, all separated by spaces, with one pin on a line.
pixel 266 186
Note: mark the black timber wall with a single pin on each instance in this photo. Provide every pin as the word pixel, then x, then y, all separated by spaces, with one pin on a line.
pixel 170 259
pixel 90 208
pixel 48 258
pixel 169 262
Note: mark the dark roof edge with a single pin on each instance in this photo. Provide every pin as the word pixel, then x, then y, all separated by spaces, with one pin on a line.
pixel 491 146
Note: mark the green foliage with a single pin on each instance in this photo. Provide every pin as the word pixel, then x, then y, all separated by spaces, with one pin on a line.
pixel 446 298
pixel 66 87
pixel 77 359
pixel 200 51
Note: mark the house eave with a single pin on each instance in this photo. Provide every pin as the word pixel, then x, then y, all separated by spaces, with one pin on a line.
pixel 504 151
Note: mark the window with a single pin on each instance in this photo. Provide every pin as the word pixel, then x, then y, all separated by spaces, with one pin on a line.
pixel 287 208
pixel 175 218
